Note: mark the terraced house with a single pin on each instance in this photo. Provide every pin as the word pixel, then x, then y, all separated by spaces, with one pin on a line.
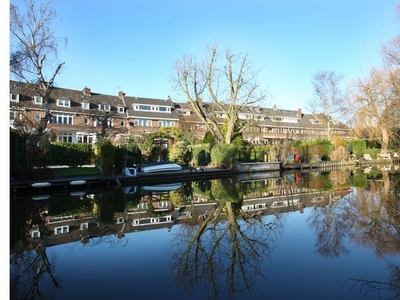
pixel 83 116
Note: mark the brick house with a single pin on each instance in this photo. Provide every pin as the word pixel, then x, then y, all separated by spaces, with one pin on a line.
pixel 83 116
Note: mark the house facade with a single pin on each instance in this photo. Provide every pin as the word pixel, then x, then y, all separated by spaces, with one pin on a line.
pixel 82 116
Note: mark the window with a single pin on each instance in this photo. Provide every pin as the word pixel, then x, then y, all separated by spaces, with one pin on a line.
pixel 38 100
pixel 61 229
pixel 143 107
pixel 63 102
pixel 35 233
pixel 66 138
pixel 122 124
pixel 104 107
pixel 38 117
pixel 65 119
pixel 84 138
pixel 277 119
pixel 84 226
pixel 166 123
pixel 14 97
pixel 163 204
pixel 143 123
pixel 121 109
pixel 110 123
pixel 142 206
pixel 163 109
pixel 86 121
pixel 85 105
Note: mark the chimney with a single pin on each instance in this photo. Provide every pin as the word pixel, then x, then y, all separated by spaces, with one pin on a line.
pixel 121 95
pixel 86 91
pixel 299 114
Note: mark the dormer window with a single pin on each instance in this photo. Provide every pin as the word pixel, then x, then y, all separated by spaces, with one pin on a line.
pixel 85 105
pixel 121 109
pixel 63 102
pixel 14 97
pixel 38 100
pixel 163 109
pixel 104 107
pixel 314 121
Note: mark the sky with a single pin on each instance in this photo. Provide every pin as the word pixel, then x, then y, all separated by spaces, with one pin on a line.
pixel 131 45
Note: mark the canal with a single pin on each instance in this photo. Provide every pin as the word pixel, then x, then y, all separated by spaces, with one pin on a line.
pixel 316 235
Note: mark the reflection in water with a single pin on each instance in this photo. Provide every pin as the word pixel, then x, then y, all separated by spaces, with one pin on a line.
pixel 227 227
pixel 226 245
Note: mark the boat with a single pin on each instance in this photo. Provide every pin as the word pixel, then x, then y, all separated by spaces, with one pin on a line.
pixel 77 182
pixel 161 187
pixel 160 167
pixel 41 184
pixel 41 197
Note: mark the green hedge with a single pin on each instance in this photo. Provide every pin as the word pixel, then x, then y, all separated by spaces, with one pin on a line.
pixel 201 154
pixel 70 154
pixel 224 155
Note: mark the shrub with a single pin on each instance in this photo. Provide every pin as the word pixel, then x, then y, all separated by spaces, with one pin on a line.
pixel 107 157
pixel 70 154
pixel 179 153
pixel 201 154
pixel 224 155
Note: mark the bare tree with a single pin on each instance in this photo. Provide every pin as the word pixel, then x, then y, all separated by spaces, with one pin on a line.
pixel 218 93
pixel 375 101
pixel 327 101
pixel 33 45
pixel 376 98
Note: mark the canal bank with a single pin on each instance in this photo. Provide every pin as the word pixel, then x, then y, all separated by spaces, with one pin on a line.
pixel 90 183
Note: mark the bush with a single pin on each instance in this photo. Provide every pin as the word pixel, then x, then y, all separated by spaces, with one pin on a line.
pixel 179 153
pixel 201 154
pixel 70 154
pixel 106 157
pixel 224 155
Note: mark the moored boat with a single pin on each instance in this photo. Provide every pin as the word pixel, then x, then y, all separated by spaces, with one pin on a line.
pixel 160 167
pixel 161 187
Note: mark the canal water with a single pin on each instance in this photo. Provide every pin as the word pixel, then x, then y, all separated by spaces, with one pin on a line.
pixel 311 235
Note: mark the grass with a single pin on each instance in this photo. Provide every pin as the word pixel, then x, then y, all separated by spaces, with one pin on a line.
pixel 75 171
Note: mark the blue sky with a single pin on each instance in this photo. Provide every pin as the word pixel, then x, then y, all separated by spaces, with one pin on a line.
pixel 131 45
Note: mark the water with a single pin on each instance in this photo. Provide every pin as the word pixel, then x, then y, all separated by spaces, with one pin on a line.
pixel 331 235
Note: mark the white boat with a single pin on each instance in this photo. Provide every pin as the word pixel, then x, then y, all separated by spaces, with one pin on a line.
pixel 41 197
pixel 161 187
pixel 77 182
pixel 129 171
pixel 160 167
pixel 41 184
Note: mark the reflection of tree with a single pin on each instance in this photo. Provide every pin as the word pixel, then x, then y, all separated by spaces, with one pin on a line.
pixel 377 213
pixel 374 222
pixel 367 285
pixel 31 268
pixel 326 219
pixel 227 245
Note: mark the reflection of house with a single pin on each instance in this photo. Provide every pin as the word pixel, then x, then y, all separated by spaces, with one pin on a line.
pixel 84 227
pixel 81 116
